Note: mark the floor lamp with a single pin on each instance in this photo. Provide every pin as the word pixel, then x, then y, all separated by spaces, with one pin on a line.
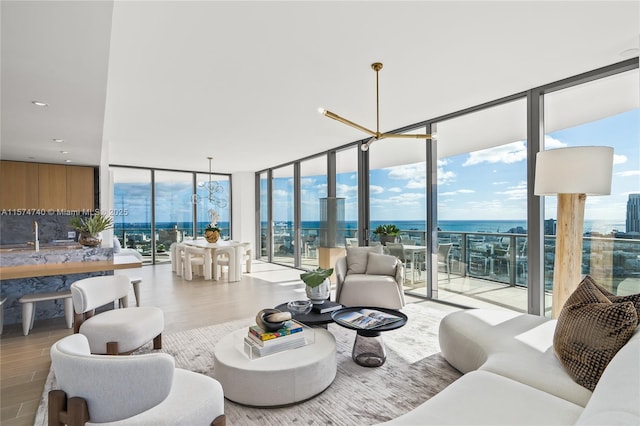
pixel 571 174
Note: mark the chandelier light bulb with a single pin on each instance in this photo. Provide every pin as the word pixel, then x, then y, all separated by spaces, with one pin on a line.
pixel 364 147
pixel 322 111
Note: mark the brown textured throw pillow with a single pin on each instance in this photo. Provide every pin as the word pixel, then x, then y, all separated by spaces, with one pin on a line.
pixel 590 331
pixel 634 298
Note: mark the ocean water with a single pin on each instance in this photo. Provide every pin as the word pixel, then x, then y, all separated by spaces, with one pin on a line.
pixel 493 226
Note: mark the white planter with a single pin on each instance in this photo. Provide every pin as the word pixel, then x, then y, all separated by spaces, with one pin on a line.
pixel 319 294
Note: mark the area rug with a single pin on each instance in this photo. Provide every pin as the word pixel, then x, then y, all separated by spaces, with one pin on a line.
pixel 413 373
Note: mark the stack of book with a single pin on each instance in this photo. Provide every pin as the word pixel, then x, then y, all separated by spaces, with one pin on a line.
pixel 259 342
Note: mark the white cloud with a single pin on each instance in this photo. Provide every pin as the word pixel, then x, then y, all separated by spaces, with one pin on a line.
pixel 346 190
pixel 445 177
pixel 307 181
pixel 552 143
pixel 395 189
pixel 375 189
pixel 502 182
pixel 456 192
pixel 409 171
pixel 619 159
pixel 280 193
pixel 508 154
pixel 628 173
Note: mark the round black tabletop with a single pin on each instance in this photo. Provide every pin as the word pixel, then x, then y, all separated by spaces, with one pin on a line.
pixel 375 331
pixel 310 319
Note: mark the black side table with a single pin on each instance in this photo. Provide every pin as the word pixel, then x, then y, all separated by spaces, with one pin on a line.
pixel 368 348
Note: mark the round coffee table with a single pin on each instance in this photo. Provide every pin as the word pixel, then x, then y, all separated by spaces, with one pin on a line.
pixel 284 378
pixel 368 348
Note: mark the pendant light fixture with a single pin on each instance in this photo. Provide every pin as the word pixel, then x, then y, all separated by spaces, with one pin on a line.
pixel 376 66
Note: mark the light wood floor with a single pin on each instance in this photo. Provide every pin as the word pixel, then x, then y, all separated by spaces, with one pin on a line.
pixel 24 360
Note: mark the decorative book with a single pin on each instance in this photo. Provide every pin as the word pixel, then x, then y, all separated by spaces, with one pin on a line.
pixel 367 318
pixel 290 327
pixel 326 307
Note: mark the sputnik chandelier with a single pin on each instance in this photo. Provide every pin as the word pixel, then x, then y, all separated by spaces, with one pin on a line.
pixel 376 66
pixel 212 189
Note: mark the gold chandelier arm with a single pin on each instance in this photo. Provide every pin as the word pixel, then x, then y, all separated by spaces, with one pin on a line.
pixel 405 136
pixel 336 117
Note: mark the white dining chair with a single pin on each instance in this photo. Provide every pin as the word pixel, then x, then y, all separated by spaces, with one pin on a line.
pixel 197 259
pixel 224 256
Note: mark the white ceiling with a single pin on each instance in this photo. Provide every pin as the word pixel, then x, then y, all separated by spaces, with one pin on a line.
pixel 166 84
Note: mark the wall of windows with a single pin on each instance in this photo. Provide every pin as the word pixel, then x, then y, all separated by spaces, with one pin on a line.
pixel 161 210
pixel 479 196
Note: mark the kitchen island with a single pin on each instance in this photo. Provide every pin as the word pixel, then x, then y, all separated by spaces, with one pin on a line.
pixel 51 269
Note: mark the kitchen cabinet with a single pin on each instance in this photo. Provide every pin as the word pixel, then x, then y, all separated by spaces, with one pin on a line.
pixel 18 185
pixel 52 186
pixel 80 188
pixel 26 185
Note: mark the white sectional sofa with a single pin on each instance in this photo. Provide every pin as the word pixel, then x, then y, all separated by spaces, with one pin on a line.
pixel 513 377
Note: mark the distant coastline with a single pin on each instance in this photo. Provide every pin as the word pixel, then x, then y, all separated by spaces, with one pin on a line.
pixel 493 226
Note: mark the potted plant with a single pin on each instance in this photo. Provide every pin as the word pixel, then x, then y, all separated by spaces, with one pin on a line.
pixel 387 233
pixel 212 233
pixel 318 285
pixel 90 228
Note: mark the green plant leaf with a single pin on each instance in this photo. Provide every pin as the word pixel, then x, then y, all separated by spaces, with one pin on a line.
pixel 316 277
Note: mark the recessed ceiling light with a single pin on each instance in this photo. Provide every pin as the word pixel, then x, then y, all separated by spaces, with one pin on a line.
pixel 58 140
pixel 67 161
pixel 64 152
pixel 31 158
pixel 629 53
pixel 40 103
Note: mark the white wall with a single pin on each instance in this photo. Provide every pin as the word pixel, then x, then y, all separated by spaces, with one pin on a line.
pixel 243 227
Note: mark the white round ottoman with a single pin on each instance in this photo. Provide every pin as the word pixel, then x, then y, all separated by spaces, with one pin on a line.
pixel 283 378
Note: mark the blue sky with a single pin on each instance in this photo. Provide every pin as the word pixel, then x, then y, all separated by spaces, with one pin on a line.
pixel 483 185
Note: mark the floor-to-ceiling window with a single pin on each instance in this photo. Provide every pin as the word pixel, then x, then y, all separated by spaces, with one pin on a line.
pixel 213 203
pixel 282 196
pixel 173 210
pixel 604 112
pixel 160 208
pixel 347 188
pixel 482 207
pixel 313 187
pixel 132 197
pixel 397 185
pixel 263 220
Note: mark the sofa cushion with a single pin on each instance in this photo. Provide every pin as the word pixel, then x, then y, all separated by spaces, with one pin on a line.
pixel 511 344
pixel 381 264
pixel 484 398
pixel 615 398
pixel 357 258
pixel 590 331
pixel 371 290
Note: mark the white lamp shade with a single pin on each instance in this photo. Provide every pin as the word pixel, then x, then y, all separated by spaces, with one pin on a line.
pixel 575 170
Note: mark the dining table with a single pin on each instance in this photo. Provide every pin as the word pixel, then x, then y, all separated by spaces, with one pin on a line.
pixel 235 262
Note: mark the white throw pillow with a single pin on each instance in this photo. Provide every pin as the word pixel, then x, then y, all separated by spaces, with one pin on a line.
pixel 381 264
pixel 357 258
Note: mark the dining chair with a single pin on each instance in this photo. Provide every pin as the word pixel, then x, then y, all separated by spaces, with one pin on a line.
pixel 199 258
pixel 224 256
